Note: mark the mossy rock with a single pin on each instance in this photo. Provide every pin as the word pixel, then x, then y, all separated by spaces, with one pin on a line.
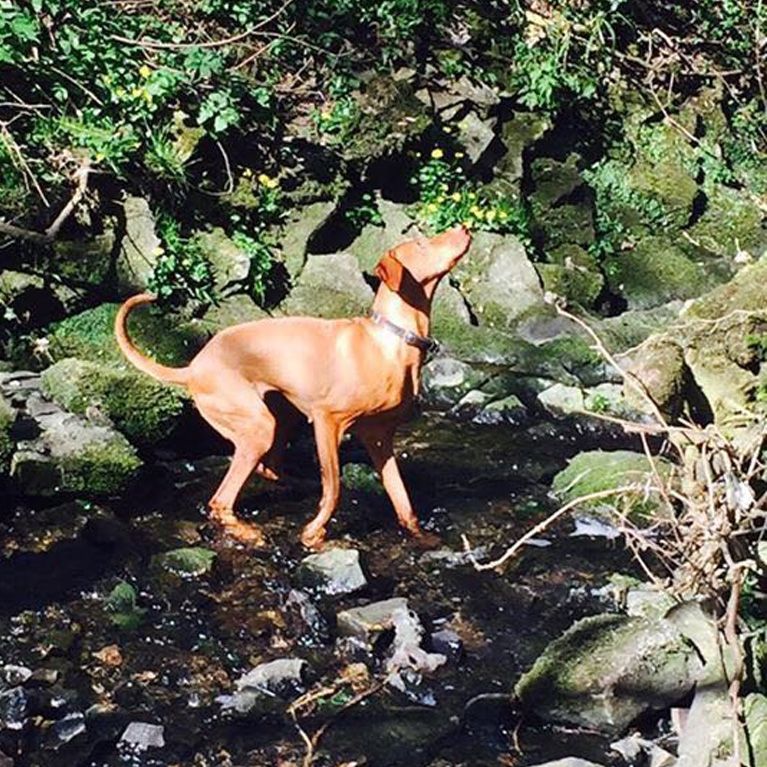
pixel 553 180
pixel 360 476
pixel 141 408
pixel 90 336
pixel 665 169
pixel 629 329
pixel 390 116
pixel 7 419
pixel 660 366
pixel 72 455
pixel 745 292
pixel 596 471
pixel 577 285
pixel 188 562
pixel 86 262
pixel 657 271
pixel 732 222
pixel 607 670
pixel 565 224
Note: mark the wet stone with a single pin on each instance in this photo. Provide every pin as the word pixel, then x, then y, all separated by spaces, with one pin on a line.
pixel 142 735
pixel 281 678
pixel 368 622
pixel 43 677
pixel 13 709
pixel 14 675
pixel 65 731
pixel 446 642
pixel 336 571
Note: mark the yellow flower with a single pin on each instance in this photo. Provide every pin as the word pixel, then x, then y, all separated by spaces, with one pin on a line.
pixel 437 154
pixel 441 198
pixel 147 96
pixel 475 211
pixel 272 183
pixel 264 180
pixel 447 129
pixel 432 207
pixel 247 173
pixel 472 195
pixel 144 71
pixel 136 92
pixel 459 155
pixel 503 215
pixel 490 215
pixel 455 196
pixel 444 187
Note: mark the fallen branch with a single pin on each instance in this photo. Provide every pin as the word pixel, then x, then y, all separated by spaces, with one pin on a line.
pixel 541 526
pixel 49 235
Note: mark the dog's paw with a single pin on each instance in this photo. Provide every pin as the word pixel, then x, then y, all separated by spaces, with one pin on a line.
pixel 426 540
pixel 244 532
pixel 313 540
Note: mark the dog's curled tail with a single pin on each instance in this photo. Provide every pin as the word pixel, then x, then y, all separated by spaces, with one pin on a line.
pixel 134 356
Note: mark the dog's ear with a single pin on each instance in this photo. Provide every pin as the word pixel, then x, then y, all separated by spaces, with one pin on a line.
pixel 389 270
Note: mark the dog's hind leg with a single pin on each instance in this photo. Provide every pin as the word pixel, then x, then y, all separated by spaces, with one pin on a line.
pixel 237 412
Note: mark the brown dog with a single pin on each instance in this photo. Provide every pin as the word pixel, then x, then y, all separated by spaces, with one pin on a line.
pixel 358 374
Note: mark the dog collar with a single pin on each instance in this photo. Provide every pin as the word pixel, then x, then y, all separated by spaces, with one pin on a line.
pixel 408 336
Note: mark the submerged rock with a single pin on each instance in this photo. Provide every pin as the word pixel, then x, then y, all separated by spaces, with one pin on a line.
pixel 606 670
pixel 72 455
pixel 141 736
pixel 189 562
pixel 282 678
pixel 64 731
pixel 336 571
pixel 13 708
pixel 368 622
pixel 141 408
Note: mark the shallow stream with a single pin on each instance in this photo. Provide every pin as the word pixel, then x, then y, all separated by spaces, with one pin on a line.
pixel 191 637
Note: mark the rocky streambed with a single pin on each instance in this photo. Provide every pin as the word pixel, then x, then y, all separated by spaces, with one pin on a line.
pixel 128 631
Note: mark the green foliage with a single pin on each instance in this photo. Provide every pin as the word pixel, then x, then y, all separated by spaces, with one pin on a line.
pixel 447 198
pixel 181 272
pixel 618 207
pixel 261 262
pixel 364 213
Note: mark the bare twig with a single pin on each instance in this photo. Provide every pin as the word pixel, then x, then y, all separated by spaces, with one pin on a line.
pixel 49 235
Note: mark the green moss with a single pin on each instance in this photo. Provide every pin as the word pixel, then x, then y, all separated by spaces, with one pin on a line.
pixel 595 471
pixel 99 468
pixel 90 336
pixel 360 476
pixel 576 285
pixel 7 418
pixel 657 271
pixel 143 409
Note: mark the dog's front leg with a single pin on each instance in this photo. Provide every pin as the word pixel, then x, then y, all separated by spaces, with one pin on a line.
pixel 379 442
pixel 327 433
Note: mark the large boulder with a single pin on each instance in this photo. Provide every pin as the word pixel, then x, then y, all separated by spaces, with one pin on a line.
pixel 657 271
pixel 329 286
pixel 607 670
pixel 376 238
pixel 230 263
pixel 301 227
pixel 596 471
pixel 140 407
pixel 139 246
pixel 90 336
pixel 74 455
pixel 498 280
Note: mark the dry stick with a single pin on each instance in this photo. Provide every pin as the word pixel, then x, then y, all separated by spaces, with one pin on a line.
pixel 312 741
pixel 210 44
pixel 541 526
pixel 731 637
pixel 628 377
pixel 46 237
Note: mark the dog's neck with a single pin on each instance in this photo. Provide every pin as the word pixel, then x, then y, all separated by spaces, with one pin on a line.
pixel 411 312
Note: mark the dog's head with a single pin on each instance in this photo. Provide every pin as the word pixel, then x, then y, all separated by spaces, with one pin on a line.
pixel 423 260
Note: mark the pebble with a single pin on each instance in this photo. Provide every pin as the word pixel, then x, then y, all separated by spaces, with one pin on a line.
pixel 142 735
pixel 369 622
pixel 336 571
